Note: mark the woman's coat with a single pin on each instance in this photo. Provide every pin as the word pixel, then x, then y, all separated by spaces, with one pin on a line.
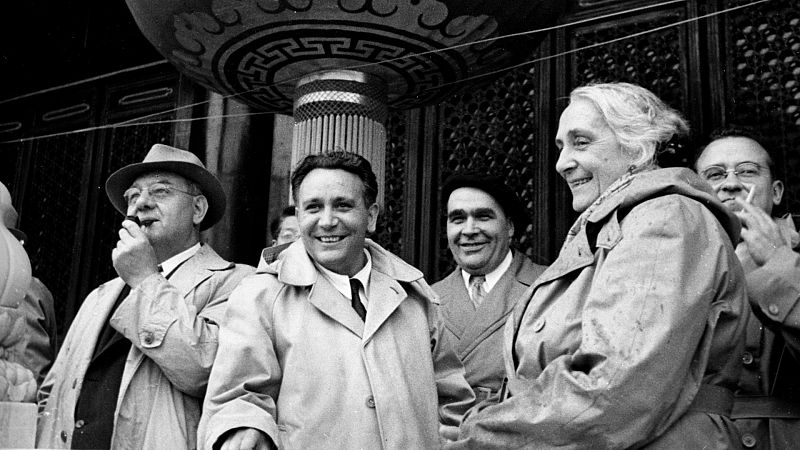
pixel 631 338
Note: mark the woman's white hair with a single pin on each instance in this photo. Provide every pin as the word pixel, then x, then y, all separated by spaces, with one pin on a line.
pixel 642 123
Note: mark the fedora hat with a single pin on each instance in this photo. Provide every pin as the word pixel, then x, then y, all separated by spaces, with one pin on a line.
pixel 8 214
pixel 164 158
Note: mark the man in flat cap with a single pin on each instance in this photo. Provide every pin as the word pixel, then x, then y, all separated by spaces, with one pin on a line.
pixel 483 216
pixel 134 366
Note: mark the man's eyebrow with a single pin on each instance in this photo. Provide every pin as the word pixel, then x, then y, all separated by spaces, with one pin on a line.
pixel 456 213
pixel 484 211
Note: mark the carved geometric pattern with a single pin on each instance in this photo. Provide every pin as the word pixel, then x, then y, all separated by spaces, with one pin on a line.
pixel 492 130
pixel 258 49
pixel 653 60
pixel 763 58
pixel 126 145
pixel 50 211
pixel 389 231
pixel 417 78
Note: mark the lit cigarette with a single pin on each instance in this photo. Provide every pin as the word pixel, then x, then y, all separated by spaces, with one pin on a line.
pixel 751 194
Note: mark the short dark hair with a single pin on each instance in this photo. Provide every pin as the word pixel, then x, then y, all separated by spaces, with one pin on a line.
pixel 742 132
pixel 347 161
pixel 497 189
pixel 275 224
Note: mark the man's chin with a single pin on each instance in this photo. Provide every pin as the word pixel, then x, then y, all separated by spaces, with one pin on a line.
pixel 732 205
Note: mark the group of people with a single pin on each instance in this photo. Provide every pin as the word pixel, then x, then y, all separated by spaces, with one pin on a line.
pixel 668 320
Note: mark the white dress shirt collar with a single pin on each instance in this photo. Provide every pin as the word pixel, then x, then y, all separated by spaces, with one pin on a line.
pixel 170 264
pixel 492 277
pixel 342 282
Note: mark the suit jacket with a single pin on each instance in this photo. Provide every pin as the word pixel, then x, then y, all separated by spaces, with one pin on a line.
pixel 172 325
pixel 477 335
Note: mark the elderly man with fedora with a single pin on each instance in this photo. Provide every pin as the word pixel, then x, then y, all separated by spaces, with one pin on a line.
pixel 483 217
pixel 134 366
pixel 37 305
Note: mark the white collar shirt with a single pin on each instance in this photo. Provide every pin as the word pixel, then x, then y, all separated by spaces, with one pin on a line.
pixel 342 282
pixel 173 262
pixel 492 277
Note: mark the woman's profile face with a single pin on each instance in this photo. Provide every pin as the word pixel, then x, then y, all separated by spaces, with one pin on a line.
pixel 591 157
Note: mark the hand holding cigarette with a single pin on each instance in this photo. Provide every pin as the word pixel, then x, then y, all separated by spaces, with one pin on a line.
pixel 750 195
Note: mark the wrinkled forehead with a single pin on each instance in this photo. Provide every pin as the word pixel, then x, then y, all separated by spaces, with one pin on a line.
pixel 160 177
pixel 731 151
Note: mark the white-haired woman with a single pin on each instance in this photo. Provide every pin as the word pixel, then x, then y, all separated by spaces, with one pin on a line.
pixel 631 338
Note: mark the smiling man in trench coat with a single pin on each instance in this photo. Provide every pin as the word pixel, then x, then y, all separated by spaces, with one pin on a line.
pixel 335 344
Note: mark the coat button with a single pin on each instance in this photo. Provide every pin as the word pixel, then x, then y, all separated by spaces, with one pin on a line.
pixel 148 338
pixel 63 436
pixel 747 358
pixel 79 424
pixel 748 440
pixel 370 402
pixel 773 309
pixel 538 325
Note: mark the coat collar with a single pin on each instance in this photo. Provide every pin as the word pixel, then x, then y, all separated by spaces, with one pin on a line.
pixel 187 276
pixel 295 267
pixel 197 269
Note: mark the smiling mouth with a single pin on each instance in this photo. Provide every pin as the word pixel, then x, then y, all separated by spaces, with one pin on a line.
pixel 579 182
pixel 471 245
pixel 330 239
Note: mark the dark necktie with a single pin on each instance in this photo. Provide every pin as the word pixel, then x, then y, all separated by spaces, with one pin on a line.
pixel 355 299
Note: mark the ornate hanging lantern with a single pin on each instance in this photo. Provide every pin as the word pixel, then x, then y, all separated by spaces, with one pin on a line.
pixel 337 65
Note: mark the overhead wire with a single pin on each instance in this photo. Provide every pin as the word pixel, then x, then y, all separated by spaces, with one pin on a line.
pixel 143 120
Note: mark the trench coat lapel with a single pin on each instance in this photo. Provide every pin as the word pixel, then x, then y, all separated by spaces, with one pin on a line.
pixel 385 295
pixel 575 255
pixel 107 297
pixel 197 269
pixel 333 304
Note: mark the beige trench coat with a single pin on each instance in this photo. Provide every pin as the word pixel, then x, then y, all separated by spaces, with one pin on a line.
pixel 173 326
pixel 609 348
pixel 297 363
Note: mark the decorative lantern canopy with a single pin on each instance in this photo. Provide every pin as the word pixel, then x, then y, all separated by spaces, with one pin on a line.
pixel 338 64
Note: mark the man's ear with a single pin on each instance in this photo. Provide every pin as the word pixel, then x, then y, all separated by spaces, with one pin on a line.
pixel 199 209
pixel 777 192
pixel 373 212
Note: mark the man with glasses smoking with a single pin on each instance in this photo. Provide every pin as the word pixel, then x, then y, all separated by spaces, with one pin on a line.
pixel 134 366
pixel 743 174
